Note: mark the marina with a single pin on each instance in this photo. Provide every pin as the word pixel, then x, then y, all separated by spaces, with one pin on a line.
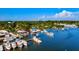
pixel 47 40
pixel 39 29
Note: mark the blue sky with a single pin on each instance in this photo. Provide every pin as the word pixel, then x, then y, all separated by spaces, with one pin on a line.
pixel 16 14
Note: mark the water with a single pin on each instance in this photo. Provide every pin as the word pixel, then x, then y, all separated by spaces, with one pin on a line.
pixel 63 40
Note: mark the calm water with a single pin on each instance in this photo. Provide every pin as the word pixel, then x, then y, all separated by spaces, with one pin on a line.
pixel 63 40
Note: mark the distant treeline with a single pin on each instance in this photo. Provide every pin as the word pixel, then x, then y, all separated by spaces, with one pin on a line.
pixel 26 25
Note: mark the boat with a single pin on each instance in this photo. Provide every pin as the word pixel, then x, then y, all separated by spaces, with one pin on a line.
pixel 2 38
pixel 23 32
pixel 19 44
pixel 45 31
pixel 34 30
pixel 13 45
pixel 7 46
pixel 36 40
pixel 3 32
pixel 1 47
pixel 12 35
pixel 24 43
pixel 62 28
pixel 42 31
pixel 37 34
pixel 48 33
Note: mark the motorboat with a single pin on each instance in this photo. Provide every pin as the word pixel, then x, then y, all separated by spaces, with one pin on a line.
pixel 24 43
pixel 51 34
pixel 13 45
pixel 19 43
pixel 7 46
pixel 1 47
pixel 62 28
pixel 36 40
pixel 23 32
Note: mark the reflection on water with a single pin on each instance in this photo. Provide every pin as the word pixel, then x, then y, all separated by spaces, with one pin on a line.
pixel 63 40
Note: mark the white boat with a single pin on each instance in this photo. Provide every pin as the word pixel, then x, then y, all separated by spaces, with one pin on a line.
pixel 34 31
pixel 13 45
pixel 45 31
pixel 23 32
pixel 3 32
pixel 36 40
pixel 7 38
pixel 12 35
pixel 62 28
pixel 51 34
pixel 37 34
pixel 24 42
pixel 1 47
pixel 70 26
pixel 42 31
pixel 38 30
pixel 7 46
pixel 19 43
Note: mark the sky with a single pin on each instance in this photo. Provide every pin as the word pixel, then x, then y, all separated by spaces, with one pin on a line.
pixel 33 14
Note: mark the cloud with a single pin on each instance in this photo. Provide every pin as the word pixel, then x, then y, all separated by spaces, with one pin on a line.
pixel 64 15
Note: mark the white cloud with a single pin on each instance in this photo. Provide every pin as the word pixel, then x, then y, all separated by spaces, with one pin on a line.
pixel 64 15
